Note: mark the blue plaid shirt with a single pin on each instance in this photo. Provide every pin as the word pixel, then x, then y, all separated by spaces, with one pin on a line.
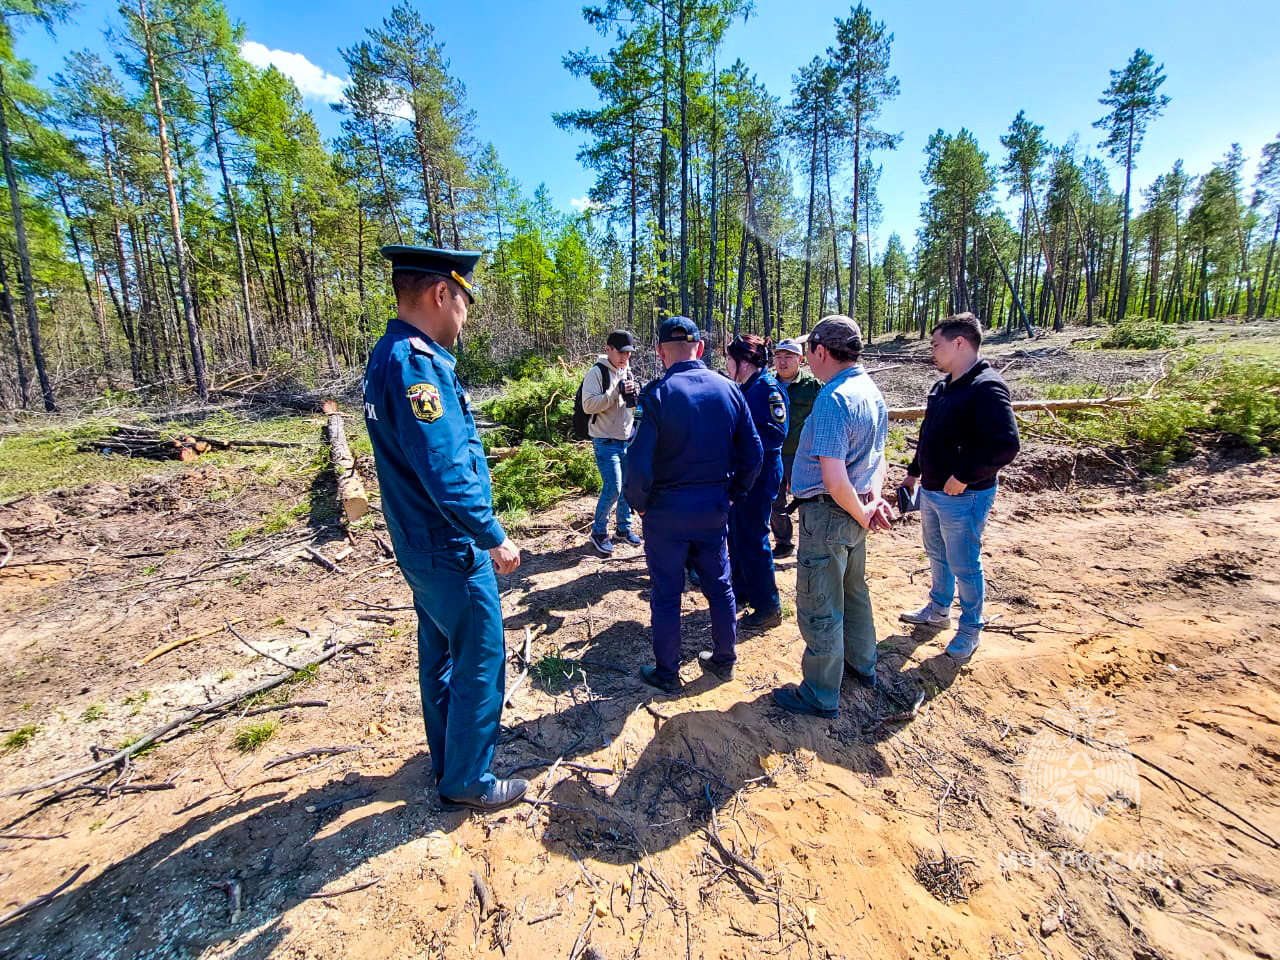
pixel 849 422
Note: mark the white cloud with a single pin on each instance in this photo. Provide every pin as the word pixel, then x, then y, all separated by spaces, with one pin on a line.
pixel 314 83
pixel 584 203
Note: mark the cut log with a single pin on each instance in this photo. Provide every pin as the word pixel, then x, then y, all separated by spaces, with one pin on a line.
pixel 352 499
pixel 1031 406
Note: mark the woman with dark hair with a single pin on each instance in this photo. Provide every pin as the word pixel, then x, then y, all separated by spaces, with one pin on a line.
pixel 750 556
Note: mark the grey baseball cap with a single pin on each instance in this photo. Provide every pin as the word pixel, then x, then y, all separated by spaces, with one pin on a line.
pixel 792 345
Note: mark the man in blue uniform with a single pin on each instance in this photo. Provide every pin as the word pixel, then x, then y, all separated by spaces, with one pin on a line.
pixel 439 507
pixel 751 559
pixel 695 451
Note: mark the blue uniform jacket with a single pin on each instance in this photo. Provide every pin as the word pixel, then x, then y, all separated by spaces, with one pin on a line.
pixel 436 493
pixel 695 446
pixel 769 410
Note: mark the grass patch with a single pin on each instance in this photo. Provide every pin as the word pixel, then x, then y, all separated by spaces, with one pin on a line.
pixel 131 739
pixel 18 739
pixel 554 671
pixel 35 461
pixel 253 736
pixel 137 701
pixel 278 520
pixel 95 711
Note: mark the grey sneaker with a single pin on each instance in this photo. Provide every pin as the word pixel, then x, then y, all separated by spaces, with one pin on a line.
pixel 963 645
pixel 927 616
pixel 602 543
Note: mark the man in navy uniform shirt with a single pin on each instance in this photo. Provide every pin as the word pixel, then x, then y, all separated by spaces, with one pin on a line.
pixel 695 451
pixel 439 507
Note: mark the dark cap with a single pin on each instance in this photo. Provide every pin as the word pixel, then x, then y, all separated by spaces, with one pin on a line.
pixel 622 341
pixel 457 265
pixel 838 332
pixel 678 330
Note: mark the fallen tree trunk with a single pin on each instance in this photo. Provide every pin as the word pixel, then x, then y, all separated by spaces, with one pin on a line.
pixel 1030 406
pixel 353 501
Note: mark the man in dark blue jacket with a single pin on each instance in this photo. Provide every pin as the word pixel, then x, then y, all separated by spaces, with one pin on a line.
pixel 438 504
pixel 695 452
pixel 969 433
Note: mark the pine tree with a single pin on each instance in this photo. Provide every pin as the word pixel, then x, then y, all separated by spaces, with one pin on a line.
pixel 1134 102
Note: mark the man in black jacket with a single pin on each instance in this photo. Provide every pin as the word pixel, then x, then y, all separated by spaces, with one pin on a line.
pixel 968 434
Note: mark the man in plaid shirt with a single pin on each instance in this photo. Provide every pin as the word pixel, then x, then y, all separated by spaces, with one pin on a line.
pixel 836 480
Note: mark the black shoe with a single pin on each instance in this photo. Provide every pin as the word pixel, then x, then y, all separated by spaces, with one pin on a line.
pixel 650 676
pixel 783 550
pixel 789 699
pixel 721 671
pixel 761 619
pixel 500 794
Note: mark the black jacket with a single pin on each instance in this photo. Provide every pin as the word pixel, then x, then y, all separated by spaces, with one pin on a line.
pixel 969 431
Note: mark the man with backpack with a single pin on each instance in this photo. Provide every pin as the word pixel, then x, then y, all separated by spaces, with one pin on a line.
pixel 607 401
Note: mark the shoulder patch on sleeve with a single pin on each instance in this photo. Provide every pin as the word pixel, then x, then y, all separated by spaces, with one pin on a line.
pixel 424 398
pixel 777 407
pixel 421 346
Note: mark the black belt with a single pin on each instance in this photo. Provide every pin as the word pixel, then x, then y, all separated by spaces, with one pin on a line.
pixel 795 503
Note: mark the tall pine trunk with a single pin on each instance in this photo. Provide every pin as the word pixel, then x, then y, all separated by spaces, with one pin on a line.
pixel 175 214
pixel 24 256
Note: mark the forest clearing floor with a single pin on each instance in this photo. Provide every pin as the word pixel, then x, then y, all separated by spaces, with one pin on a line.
pixel 1142 615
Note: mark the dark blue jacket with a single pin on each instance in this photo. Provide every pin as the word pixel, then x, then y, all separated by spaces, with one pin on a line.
pixel 432 471
pixel 695 447
pixel 769 411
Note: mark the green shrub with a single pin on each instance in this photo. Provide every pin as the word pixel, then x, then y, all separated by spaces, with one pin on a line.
pixel 537 408
pixel 536 476
pixel 1139 333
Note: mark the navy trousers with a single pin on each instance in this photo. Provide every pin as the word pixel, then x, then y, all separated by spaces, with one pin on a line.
pixel 749 550
pixel 462 664
pixel 672 537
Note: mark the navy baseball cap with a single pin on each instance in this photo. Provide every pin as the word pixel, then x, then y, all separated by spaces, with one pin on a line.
pixel 457 265
pixel 678 330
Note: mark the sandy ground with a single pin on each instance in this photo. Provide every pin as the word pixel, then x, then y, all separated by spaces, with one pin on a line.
pixel 1127 692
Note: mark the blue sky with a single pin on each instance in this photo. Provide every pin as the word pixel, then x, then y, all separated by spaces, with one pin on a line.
pixel 959 65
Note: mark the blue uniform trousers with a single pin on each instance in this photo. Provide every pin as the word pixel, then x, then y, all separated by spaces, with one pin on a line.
pixel 749 551
pixel 462 663
pixel 670 538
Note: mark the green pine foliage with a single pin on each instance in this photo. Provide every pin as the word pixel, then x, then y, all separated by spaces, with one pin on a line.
pixel 1139 333
pixel 536 408
pixel 538 475
pixel 1232 400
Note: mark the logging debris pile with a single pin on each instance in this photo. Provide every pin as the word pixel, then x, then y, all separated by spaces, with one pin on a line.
pixel 152 444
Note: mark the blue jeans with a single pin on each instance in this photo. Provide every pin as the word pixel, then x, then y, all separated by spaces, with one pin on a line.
pixel 953 540
pixel 461 663
pixel 833 604
pixel 611 456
